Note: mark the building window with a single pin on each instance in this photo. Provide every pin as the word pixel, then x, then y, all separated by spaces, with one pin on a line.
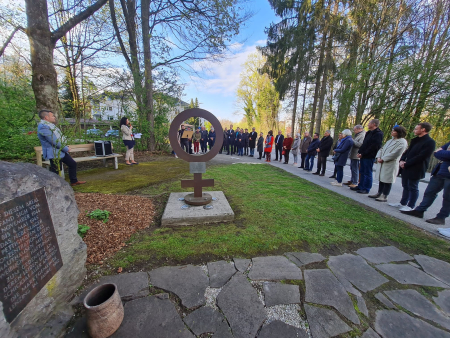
pixel 110 117
pixel 110 108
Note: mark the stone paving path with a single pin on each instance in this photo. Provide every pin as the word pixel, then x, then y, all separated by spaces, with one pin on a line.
pixel 373 292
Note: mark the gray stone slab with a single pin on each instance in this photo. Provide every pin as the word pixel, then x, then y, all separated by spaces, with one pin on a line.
pixel 347 285
pixel 414 302
pixel 242 264
pixel 382 298
pixel 435 267
pixel 294 259
pixel 370 333
pixel 277 293
pixel 324 323
pixel 322 287
pixel 397 324
pixel 384 254
pixel 356 270
pixel 204 320
pixel 223 331
pixel 151 316
pixel 175 216
pixel 79 329
pixel 362 306
pixel 240 304
pixel 308 258
pixel 188 282
pixel 407 274
pixel 277 329
pixel 274 268
pixel 219 273
pixel 443 301
pixel 131 286
pixel 414 265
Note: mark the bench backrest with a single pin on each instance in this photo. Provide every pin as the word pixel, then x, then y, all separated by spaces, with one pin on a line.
pixel 73 149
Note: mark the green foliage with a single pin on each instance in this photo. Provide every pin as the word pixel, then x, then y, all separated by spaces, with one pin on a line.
pixel 82 230
pixel 101 215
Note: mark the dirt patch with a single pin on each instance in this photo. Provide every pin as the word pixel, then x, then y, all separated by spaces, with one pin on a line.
pixel 128 215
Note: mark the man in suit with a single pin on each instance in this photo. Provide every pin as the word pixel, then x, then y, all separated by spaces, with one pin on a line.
pixel 323 151
pixel 245 136
pixel 237 138
pixel 252 141
pixel 279 145
pixel 304 145
pixel 225 141
pixel 204 140
pixel 414 163
pixel 231 136
pixel 52 141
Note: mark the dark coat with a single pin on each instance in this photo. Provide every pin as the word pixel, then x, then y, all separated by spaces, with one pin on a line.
pixel 252 139
pixel 204 135
pixel 213 135
pixel 225 139
pixel 231 135
pixel 245 139
pixel 371 144
pixel 325 146
pixel 313 146
pixel 417 157
pixel 260 144
pixel 237 137
pixel 278 140
pixel 288 143
pixel 344 148
pixel 444 156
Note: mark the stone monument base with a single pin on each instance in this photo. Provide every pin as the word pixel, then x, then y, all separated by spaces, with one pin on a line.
pixel 175 215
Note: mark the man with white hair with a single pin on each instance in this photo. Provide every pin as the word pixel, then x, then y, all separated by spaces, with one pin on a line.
pixel 304 144
pixel 358 140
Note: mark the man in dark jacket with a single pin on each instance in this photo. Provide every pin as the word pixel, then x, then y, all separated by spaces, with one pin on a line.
pixel 231 135
pixel 414 163
pixel 279 145
pixel 245 141
pixel 204 140
pixel 367 153
pixel 225 141
pixel 440 179
pixel 323 149
pixel 304 145
pixel 211 138
pixel 252 141
pixel 311 153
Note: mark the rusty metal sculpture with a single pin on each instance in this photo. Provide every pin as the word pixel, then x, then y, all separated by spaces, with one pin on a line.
pixel 198 197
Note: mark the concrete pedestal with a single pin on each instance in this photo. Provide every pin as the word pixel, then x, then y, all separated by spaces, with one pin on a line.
pixel 175 215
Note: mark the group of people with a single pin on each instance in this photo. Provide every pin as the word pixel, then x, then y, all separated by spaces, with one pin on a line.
pixel 239 142
pixel 201 138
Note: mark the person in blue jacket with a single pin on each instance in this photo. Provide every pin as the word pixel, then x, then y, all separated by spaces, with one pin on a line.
pixel 312 152
pixel 440 179
pixel 211 138
pixel 341 152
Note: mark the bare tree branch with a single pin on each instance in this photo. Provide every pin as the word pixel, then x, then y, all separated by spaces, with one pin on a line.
pixel 8 40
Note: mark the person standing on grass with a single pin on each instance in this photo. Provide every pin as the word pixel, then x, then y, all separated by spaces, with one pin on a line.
pixel 260 147
pixel 312 151
pixel 414 163
pixel 295 147
pixel 252 142
pixel 279 145
pixel 358 140
pixel 304 145
pixel 287 145
pixel 323 151
pixel 367 153
pixel 196 139
pixel 128 140
pixel 388 158
pixel 52 142
pixel 268 147
pixel 184 142
pixel 440 179
pixel 341 155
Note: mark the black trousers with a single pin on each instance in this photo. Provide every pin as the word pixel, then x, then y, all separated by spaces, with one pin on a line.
pixel 235 148
pixel 260 154
pixel 70 163
pixel 185 145
pixel 303 155
pixel 321 164
pixel 286 155
pixel 278 149
pixel 384 188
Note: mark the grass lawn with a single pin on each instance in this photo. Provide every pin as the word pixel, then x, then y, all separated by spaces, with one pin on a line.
pixel 276 212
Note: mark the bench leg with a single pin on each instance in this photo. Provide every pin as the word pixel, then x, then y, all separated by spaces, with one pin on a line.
pixel 116 163
pixel 104 163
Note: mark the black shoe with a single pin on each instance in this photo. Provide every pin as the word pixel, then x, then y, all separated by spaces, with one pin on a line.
pixel 322 175
pixel 355 188
pixel 415 213
pixel 332 176
pixel 301 167
pixel 362 192
pixel 259 158
pixel 438 221
pixel 375 195
pixel 316 173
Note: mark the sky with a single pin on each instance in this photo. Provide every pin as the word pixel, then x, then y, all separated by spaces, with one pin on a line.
pixel 216 89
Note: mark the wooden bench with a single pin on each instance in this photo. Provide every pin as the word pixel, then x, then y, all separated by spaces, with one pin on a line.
pixel 77 148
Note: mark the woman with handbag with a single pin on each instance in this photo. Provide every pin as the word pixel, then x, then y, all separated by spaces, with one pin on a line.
pixel 341 155
pixel 287 144
pixel 269 144
pixel 128 140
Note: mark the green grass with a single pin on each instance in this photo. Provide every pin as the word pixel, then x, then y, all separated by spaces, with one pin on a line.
pixel 275 212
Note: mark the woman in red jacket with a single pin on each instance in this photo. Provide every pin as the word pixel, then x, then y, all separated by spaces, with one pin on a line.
pixel 269 143
pixel 287 144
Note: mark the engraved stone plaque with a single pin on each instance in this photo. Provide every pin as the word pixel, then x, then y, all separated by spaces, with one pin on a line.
pixel 29 252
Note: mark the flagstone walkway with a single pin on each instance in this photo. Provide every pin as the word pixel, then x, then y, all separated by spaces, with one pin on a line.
pixel 373 292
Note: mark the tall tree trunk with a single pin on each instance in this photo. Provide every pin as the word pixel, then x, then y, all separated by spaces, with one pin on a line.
pixel 294 109
pixel 303 105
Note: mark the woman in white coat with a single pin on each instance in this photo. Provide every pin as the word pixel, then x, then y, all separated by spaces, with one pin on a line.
pixel 388 158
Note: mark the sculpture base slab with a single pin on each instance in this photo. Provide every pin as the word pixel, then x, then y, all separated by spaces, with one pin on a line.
pixel 192 200
pixel 179 213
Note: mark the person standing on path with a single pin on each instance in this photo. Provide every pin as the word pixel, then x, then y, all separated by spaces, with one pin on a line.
pixel 211 138
pixel 340 137
pixel 367 153
pixel 440 179
pixel 230 143
pixel 323 150
pixel 245 141
pixel 184 142
pixel 279 145
pixel 225 141
pixel 287 145
pixel 304 145
pixel 388 158
pixel 260 147
pixel 414 163
pixel 204 140
pixel 196 139
pixel 252 142
pixel 295 147
pixel 268 147
pixel 358 140
pixel 312 151
pixel 341 155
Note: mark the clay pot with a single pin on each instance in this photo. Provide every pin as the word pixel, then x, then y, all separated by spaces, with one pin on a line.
pixel 104 310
